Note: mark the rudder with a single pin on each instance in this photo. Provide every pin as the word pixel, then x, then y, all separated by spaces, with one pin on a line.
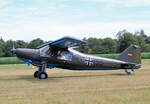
pixel 132 55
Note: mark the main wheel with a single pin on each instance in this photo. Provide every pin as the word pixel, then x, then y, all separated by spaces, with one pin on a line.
pixel 36 74
pixel 43 75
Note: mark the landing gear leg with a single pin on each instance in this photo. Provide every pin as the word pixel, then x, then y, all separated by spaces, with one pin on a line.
pixel 132 70
pixel 43 74
pixel 128 73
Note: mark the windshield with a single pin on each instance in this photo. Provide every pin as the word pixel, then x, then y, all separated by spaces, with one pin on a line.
pixel 45 51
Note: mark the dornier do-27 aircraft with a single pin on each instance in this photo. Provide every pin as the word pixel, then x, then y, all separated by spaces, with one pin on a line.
pixel 62 54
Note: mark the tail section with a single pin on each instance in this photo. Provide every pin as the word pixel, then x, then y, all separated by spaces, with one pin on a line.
pixel 132 55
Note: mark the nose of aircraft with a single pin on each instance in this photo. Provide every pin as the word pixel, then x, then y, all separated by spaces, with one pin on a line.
pixel 25 53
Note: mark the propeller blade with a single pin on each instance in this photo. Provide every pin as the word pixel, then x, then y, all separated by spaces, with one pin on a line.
pixel 13 47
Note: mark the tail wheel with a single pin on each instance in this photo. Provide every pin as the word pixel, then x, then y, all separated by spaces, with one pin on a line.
pixel 43 75
pixel 36 74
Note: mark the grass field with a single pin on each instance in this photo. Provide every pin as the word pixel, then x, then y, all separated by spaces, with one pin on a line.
pixel 10 60
pixel 17 86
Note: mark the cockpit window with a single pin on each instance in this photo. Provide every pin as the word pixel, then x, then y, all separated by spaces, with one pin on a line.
pixel 45 51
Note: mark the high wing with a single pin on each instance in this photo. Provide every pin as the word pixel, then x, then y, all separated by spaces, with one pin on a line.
pixel 65 42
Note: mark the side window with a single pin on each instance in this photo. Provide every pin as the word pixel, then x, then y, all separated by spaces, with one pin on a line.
pixel 63 55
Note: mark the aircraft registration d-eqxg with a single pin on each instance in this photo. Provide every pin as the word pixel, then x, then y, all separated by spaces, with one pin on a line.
pixel 61 54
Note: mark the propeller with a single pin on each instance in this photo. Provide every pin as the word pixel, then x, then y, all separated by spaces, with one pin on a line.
pixel 13 47
pixel 13 50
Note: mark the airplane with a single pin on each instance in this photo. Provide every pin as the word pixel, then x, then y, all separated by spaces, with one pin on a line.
pixel 62 54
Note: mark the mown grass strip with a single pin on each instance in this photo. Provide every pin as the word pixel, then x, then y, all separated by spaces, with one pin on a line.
pixel 10 60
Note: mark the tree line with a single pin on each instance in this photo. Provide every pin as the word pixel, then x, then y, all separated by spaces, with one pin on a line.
pixel 94 45
pixel 123 40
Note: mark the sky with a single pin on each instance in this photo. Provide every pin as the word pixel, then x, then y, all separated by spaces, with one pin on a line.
pixel 53 19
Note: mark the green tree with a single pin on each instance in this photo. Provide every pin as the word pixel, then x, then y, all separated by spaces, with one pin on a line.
pixel 7 48
pixel 143 35
pixel 108 45
pixel 35 43
pixel 142 44
pixel 21 44
pixel 1 39
pixel 147 40
pixel 126 40
pixel 93 45
pixel 1 49
pixel 147 48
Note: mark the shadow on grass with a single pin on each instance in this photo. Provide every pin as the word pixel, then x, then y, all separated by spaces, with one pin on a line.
pixel 118 74
pixel 62 77
pixel 27 78
pixel 58 78
pixel 79 76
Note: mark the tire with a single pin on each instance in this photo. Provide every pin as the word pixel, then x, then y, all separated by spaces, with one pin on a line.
pixel 43 75
pixel 36 74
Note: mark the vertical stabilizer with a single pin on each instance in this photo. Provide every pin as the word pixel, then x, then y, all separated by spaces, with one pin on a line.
pixel 132 54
